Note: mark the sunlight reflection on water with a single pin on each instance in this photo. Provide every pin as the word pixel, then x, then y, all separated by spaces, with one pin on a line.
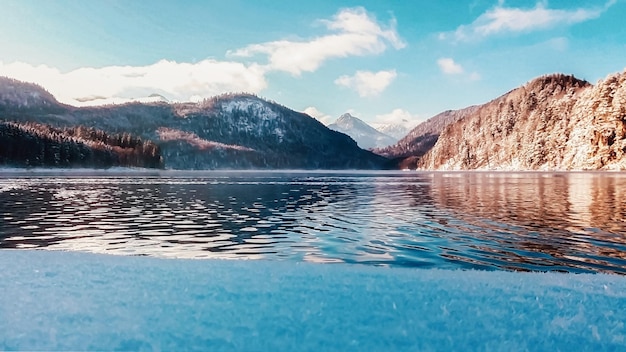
pixel 510 221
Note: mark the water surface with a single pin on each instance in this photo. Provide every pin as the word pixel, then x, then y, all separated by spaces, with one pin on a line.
pixel 573 222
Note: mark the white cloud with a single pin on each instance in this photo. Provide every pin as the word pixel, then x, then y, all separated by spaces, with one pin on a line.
pixel 398 116
pixel 118 84
pixel 320 116
pixel 354 33
pixel 449 67
pixel 368 83
pixel 501 19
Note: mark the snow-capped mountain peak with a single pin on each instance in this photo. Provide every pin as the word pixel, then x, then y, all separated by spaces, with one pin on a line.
pixel 348 121
pixel 395 130
pixel 365 135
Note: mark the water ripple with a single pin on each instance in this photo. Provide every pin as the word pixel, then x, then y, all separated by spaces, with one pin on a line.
pixel 525 221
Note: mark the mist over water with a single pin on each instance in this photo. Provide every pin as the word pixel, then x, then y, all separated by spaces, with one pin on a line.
pixel 572 222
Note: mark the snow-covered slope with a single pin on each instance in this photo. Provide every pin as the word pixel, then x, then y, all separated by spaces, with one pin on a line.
pixel 366 136
pixel 227 131
pixel 15 94
pixel 72 301
pixel 554 122
pixel 395 130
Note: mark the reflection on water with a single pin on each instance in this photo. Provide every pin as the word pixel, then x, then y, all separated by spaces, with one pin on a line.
pixel 540 221
pixel 508 221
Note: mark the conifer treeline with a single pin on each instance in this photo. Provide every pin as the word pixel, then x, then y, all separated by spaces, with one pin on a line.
pixel 38 145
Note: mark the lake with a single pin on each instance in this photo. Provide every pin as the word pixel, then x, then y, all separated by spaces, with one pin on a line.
pixel 571 222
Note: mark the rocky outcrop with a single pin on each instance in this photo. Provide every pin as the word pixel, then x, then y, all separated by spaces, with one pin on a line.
pixel 555 122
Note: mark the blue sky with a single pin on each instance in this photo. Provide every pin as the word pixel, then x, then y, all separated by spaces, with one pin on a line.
pixel 383 61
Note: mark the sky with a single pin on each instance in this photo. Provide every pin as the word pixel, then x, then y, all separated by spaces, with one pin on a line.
pixel 382 61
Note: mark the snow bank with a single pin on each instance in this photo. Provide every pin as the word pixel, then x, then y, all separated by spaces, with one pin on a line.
pixel 76 301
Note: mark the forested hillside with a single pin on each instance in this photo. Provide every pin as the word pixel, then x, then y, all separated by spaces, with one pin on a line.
pixel 229 131
pixel 554 122
pixel 39 145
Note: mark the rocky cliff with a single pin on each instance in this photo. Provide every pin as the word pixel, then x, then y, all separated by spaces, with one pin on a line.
pixel 555 122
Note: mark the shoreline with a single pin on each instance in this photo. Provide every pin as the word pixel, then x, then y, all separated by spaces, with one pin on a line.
pixel 37 170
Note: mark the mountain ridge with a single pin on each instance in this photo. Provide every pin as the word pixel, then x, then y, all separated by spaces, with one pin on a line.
pixel 25 96
pixel 366 136
pixel 226 131
pixel 553 122
pixel 423 136
pixel 395 130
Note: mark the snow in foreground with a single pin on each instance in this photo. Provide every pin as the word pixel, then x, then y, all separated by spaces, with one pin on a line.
pixel 76 301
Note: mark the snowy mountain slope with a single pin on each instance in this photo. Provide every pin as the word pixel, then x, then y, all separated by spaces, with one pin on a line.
pixel 227 131
pixel 554 122
pixel 395 130
pixel 17 95
pixel 365 135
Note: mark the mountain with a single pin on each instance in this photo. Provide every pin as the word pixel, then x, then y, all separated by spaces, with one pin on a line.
pixel 228 131
pixel 423 137
pixel 554 122
pixel 366 136
pixel 395 130
pixel 21 96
